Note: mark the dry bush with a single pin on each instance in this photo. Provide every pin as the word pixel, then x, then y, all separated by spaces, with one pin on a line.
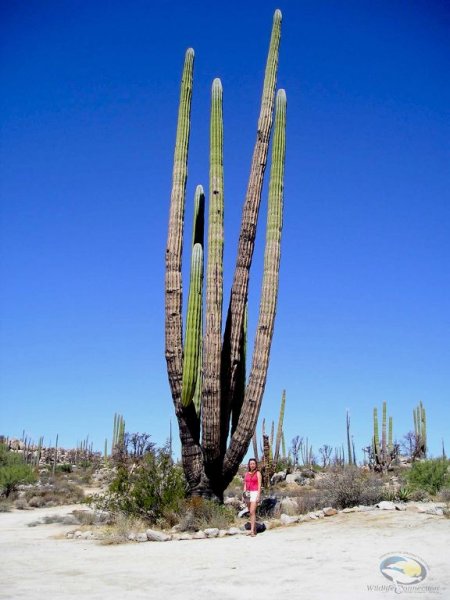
pixel 235 488
pixel 444 495
pixel 197 513
pixel 5 505
pixel 350 487
pixel 118 531
pixel 61 492
pixel 21 503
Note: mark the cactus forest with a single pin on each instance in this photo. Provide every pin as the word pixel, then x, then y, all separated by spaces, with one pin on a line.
pixel 216 404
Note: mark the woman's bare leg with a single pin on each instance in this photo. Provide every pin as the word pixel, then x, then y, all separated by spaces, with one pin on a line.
pixel 253 518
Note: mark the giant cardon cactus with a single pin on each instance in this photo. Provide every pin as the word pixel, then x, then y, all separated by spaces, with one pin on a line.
pixel 216 405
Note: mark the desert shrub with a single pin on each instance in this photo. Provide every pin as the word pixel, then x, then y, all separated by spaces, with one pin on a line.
pixel 64 468
pixel 119 529
pixel 5 505
pixel 350 487
pixel 235 488
pixel 21 504
pixel 147 489
pixel 13 471
pixel 429 475
pixel 199 513
pixel 58 493
pixel 313 500
pixel 444 495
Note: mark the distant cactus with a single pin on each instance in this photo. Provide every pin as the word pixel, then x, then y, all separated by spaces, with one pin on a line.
pixel 381 452
pixel 118 435
pixel 420 430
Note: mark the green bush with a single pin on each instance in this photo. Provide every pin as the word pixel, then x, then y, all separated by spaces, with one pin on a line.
pixel 147 488
pixel 13 471
pixel 429 475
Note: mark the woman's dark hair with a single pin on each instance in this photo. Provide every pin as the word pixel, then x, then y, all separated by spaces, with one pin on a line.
pixel 255 461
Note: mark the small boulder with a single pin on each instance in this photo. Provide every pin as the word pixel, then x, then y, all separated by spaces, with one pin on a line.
pixel 212 532
pixel 141 537
pixel 296 478
pixel 288 519
pixel 312 515
pixel 233 531
pixel 431 510
pixel 329 511
pixel 199 535
pixel 185 536
pixel 278 477
pixel 157 536
pixel 289 506
pixel 385 505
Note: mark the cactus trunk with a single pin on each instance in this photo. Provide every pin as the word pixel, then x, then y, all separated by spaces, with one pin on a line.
pixel 208 379
pixel 276 455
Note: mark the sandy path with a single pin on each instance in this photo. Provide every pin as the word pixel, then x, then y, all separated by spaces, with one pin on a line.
pixel 336 557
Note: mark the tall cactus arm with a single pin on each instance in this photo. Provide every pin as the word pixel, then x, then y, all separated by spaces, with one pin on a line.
pixel 193 327
pixel 376 439
pixel 239 389
pixel 173 285
pixel 390 436
pixel 239 291
pixel 212 344
pixel 349 445
pixel 276 455
pixel 383 434
pixel 197 238
pixel 269 292
pixel 187 418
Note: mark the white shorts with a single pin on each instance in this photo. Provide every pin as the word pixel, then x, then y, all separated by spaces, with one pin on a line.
pixel 253 496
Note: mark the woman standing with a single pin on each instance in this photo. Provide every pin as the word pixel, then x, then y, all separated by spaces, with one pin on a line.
pixel 252 492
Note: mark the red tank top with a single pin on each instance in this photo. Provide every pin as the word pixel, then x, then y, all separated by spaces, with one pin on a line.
pixel 251 481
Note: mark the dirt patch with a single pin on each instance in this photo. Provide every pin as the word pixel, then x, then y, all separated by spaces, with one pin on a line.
pixel 333 558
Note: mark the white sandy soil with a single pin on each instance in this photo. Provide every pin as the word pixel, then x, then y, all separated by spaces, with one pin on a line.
pixel 336 557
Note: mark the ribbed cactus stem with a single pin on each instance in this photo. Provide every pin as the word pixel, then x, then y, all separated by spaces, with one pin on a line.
pixel 55 459
pixel 239 291
pixel 197 238
pixel 383 434
pixel 173 284
pixel 376 439
pixel 390 438
pixel 269 292
pixel 255 447
pixel 239 390
pixel 424 429
pixel 349 445
pixel 193 327
pixel 280 428
pixel 211 426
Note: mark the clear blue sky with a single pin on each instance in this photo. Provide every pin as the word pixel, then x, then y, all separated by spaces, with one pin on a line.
pixel 88 115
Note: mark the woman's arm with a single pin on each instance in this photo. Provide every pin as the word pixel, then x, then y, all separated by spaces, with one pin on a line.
pixel 259 484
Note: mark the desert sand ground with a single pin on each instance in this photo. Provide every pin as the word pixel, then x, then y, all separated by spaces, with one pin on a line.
pixel 336 557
